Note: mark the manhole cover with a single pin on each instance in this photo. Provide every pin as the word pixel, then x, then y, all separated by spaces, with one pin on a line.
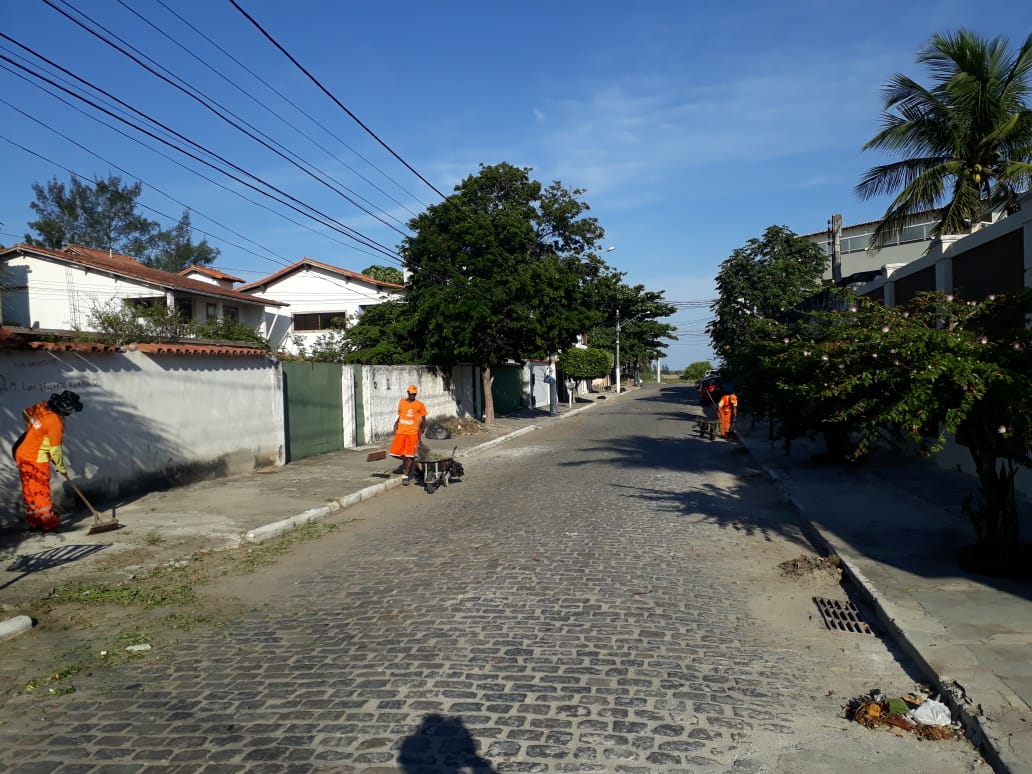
pixel 842 616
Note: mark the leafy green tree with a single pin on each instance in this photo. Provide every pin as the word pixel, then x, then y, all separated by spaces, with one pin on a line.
pixel 590 363
pixel 120 322
pixel 385 274
pixel 501 270
pixel 764 279
pixel 382 335
pixel 967 140
pixel 174 249
pixel 695 371
pixel 642 336
pixel 937 366
pixel 102 216
pixel 228 329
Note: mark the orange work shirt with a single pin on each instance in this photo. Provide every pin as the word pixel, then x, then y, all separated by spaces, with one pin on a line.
pixel 43 435
pixel 409 413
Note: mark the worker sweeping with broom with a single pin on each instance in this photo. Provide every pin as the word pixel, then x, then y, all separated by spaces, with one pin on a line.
pixel 727 410
pixel 38 446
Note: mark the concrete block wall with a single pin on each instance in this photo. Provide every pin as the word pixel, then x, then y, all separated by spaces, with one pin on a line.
pixel 149 422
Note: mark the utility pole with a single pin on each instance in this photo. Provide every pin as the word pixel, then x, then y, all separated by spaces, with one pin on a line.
pixel 835 237
pixel 617 351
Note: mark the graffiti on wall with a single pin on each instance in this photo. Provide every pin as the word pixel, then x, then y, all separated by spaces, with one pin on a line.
pixel 11 384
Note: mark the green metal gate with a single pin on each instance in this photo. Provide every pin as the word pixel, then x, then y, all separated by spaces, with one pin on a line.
pixel 313 409
pixel 507 388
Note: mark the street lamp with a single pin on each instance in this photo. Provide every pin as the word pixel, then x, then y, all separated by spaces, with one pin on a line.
pixel 617 351
pixel 637 316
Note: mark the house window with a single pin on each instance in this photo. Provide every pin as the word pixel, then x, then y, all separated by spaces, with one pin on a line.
pixel 212 311
pixel 184 308
pixel 147 302
pixel 317 321
pixel 230 313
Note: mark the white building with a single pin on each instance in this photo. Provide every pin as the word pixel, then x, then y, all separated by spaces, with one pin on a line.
pixel 60 289
pixel 317 293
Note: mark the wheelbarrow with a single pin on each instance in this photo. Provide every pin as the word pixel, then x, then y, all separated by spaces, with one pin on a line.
pixel 706 427
pixel 435 473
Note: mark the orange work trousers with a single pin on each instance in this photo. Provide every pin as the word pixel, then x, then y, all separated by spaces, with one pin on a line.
pixel 725 422
pixel 39 508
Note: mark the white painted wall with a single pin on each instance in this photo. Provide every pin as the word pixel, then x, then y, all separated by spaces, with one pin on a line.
pixel 155 421
pixel 148 422
pixel 51 295
pixel 314 290
pixel 444 394
pixel 46 294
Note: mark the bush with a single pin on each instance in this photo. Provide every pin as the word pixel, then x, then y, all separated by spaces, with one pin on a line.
pixel 586 363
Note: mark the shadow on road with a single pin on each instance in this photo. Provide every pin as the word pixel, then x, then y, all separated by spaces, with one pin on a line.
pixel 442 746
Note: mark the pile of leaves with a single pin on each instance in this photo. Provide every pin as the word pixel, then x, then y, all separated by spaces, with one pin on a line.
pixel 876 711
pixel 462 426
pixel 809 565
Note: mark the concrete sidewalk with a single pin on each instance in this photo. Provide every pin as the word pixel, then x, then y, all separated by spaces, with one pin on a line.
pixel 897 525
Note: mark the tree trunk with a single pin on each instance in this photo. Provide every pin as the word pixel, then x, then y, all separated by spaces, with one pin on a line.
pixel 485 376
pixel 836 441
pixel 993 509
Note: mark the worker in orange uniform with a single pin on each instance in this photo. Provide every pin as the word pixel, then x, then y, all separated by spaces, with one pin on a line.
pixel 727 410
pixel 37 447
pixel 408 429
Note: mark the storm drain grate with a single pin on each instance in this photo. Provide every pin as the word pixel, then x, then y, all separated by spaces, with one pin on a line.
pixel 842 616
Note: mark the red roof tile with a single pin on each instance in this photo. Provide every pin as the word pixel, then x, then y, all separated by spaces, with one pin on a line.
pixel 305 262
pixel 72 346
pixel 10 340
pixel 197 349
pixel 210 271
pixel 124 266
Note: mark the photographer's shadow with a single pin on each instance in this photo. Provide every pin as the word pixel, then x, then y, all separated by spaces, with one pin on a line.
pixel 442 746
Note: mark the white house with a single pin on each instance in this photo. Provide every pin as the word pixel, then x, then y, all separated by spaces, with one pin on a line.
pixel 316 293
pixel 211 275
pixel 59 289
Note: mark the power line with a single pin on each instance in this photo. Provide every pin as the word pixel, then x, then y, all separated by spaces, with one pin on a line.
pixel 336 101
pixel 183 86
pixel 164 155
pixel 326 220
pixel 285 98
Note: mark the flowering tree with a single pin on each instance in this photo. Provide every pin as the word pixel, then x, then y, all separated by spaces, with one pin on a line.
pixel 940 365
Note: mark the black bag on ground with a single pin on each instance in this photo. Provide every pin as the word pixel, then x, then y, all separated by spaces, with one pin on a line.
pixel 437 432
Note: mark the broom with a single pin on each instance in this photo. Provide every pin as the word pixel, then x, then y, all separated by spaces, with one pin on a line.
pixel 99 525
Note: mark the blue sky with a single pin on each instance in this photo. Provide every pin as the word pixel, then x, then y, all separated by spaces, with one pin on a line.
pixel 692 126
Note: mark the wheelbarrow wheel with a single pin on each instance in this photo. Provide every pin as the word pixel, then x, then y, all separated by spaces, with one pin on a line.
pixel 430 488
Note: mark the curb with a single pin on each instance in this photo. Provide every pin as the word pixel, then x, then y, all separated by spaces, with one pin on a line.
pixel 884 611
pixel 12 627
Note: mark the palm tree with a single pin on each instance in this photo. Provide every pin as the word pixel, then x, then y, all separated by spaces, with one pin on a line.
pixel 971 131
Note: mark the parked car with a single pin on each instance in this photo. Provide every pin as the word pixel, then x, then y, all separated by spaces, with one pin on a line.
pixel 709 373
pixel 711 389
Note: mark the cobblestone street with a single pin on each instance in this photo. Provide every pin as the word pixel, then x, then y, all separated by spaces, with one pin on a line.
pixel 599 595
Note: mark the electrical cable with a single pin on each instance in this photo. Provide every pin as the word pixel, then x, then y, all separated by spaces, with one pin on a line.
pixel 268 143
pixel 167 157
pixel 336 101
pixel 299 109
pixel 326 220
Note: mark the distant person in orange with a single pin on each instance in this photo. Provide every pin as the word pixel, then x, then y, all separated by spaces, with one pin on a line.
pixel 408 429
pixel 37 447
pixel 727 410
